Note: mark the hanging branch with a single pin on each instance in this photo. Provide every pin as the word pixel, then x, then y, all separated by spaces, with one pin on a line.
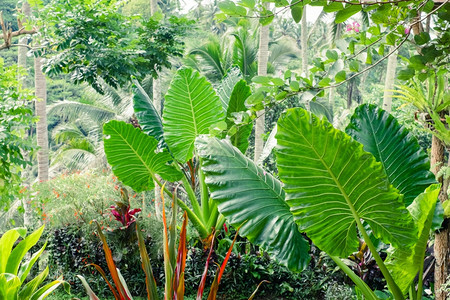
pixel 360 2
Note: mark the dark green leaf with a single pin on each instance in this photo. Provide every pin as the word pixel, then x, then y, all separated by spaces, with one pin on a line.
pixel 149 119
pixel 347 12
pixel 405 163
pixel 249 197
pixel 331 183
pixel 297 12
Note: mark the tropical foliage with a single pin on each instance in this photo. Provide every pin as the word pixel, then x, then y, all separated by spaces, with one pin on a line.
pixel 310 134
pixel 16 117
pixel 14 270
pixel 355 192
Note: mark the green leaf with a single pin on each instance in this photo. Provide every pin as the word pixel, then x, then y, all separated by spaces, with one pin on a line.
pixel 277 81
pixel 331 184
pixel 294 85
pixel 133 156
pixel 297 12
pixel 422 38
pixel 232 9
pixel 406 74
pixel 227 85
pixel 354 66
pixel 247 3
pixel 324 82
pixel 6 244
pixel 332 55
pixel 262 80
pixel 403 263
pixel 150 282
pixel 47 289
pixel 381 49
pixel 405 163
pixel 17 254
pixel 333 6
pixel 240 93
pixel 25 267
pixel 249 197
pixel 33 284
pixel 369 58
pixel 391 38
pixel 191 107
pixel 266 17
pixel 340 76
pixel 347 12
pixel 149 119
pixel 9 285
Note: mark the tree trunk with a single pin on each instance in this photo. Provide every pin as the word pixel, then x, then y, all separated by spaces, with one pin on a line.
pixel 441 243
pixel 156 91
pixel 22 63
pixel 349 93
pixel 41 126
pixel 263 57
pixel 22 51
pixel 389 82
pixel 304 43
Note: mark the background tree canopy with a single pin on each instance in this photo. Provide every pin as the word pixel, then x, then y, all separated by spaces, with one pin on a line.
pixel 93 41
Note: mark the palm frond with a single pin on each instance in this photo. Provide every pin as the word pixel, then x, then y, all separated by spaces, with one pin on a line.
pixel 71 110
pixel 211 56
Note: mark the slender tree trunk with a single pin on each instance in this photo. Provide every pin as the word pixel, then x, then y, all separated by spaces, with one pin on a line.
pixel 304 43
pixel 22 63
pixel 349 93
pixel 441 242
pixel 41 126
pixel 22 51
pixel 156 91
pixel 263 57
pixel 389 82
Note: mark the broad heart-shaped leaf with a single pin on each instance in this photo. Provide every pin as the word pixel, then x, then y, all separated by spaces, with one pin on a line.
pixel 331 183
pixel 226 86
pixel 404 264
pixel 191 107
pixel 149 119
pixel 241 92
pixel 405 163
pixel 249 197
pixel 133 157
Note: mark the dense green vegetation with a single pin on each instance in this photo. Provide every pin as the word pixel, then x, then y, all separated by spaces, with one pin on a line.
pixel 224 150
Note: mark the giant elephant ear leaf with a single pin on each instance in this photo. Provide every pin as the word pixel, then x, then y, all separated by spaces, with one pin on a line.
pixel 405 163
pixel 191 107
pixel 134 158
pixel 251 198
pixel 149 119
pixel 404 264
pixel 331 183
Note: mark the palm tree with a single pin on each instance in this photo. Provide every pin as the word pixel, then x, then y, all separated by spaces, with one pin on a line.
pixel 263 58
pixel 41 125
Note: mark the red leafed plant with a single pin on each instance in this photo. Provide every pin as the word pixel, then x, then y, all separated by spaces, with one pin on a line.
pixel 122 212
pixel 174 264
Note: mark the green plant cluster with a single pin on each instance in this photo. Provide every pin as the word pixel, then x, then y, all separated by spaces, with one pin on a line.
pixel 16 118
